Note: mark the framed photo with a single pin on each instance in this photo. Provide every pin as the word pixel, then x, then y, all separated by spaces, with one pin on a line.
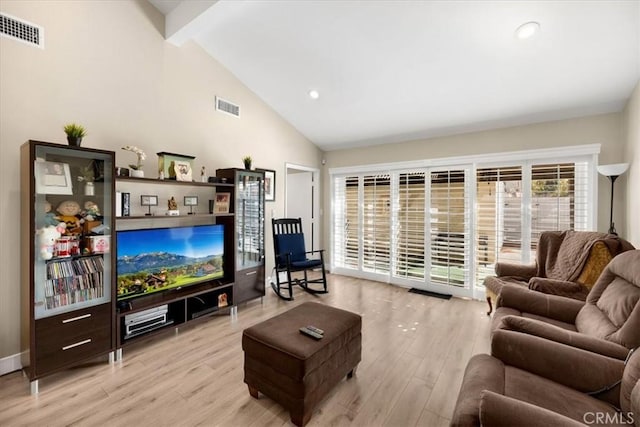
pixel 53 178
pixel 190 200
pixel 148 200
pixel 182 171
pixel 269 184
pixel 222 203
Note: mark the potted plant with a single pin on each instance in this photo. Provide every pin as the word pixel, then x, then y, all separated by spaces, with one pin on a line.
pixel 136 168
pixel 247 162
pixel 75 133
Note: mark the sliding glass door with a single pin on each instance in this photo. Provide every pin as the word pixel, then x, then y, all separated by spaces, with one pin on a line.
pixel 443 228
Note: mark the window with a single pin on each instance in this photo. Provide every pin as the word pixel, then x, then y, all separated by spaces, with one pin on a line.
pixel 443 227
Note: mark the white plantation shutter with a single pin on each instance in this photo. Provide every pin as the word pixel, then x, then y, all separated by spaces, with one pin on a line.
pixel 558 198
pixel 449 227
pixel 376 223
pixel 498 218
pixel 410 226
pixel 346 222
pixel 443 228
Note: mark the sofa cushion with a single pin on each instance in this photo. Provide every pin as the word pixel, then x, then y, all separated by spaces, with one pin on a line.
pixel 619 300
pixel 539 391
pixel 629 395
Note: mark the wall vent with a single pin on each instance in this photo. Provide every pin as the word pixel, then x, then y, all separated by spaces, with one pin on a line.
pixel 227 107
pixel 22 31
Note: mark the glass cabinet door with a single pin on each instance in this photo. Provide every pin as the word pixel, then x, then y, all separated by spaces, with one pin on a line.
pixel 72 207
pixel 249 213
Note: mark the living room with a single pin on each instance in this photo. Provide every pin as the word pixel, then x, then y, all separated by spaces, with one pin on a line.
pixel 108 66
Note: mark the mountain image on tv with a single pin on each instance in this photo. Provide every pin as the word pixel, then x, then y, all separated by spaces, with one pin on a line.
pixel 156 260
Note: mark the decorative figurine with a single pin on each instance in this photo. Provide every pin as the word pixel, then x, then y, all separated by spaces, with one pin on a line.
pixel 173 207
pixel 203 175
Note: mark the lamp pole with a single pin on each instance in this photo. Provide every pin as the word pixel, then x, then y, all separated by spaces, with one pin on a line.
pixel 612 228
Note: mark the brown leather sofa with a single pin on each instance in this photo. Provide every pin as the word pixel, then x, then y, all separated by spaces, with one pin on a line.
pixel 568 263
pixel 530 381
pixel 608 322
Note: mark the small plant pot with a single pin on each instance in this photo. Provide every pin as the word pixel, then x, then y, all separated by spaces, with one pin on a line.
pixel 74 141
pixel 136 173
pixel 89 189
pixel 247 165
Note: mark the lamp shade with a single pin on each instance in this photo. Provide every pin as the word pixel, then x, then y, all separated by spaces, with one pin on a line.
pixel 616 169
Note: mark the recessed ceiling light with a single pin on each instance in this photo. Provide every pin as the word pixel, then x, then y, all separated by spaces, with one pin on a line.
pixel 314 94
pixel 527 30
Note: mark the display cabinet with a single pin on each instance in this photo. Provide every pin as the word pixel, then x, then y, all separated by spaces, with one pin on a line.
pixel 66 259
pixel 247 200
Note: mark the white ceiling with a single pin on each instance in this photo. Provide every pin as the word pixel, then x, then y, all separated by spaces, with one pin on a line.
pixel 391 71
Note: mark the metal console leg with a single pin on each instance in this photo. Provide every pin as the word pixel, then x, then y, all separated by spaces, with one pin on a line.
pixel 34 387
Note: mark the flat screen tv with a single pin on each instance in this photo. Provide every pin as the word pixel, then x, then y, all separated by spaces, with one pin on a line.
pixel 160 259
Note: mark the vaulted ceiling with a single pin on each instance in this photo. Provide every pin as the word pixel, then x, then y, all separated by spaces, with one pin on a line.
pixel 391 71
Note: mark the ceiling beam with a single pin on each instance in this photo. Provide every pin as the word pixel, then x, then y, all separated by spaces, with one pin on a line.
pixel 187 20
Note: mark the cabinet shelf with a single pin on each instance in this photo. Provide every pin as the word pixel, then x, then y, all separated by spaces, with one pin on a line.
pixel 174 182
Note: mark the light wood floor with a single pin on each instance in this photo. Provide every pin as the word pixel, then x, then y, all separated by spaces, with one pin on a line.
pixel 415 349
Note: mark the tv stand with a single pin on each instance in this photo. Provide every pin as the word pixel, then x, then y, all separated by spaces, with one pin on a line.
pixel 176 307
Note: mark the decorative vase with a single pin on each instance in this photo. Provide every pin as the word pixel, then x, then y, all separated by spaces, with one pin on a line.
pixel 89 189
pixel 136 173
pixel 74 141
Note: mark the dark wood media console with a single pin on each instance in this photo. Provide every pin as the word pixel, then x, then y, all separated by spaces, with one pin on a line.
pixel 187 304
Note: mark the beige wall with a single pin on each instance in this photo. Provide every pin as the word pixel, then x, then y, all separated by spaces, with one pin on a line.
pixel 632 177
pixel 606 130
pixel 106 65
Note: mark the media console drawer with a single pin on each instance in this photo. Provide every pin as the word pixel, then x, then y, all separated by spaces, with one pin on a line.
pixel 69 337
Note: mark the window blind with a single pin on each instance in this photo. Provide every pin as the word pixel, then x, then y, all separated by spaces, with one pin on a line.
pixel 410 226
pixel 376 223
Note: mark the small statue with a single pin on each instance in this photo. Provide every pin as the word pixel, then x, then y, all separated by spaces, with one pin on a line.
pixel 203 174
pixel 173 205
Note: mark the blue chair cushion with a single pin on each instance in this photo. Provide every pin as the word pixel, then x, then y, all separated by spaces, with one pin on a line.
pixel 306 264
pixel 290 244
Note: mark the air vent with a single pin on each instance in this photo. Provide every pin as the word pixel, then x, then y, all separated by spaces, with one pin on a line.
pixel 227 107
pixel 22 31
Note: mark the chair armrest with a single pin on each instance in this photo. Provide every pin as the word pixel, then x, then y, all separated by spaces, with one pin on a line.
pixel 573 367
pixel 517 270
pixel 554 333
pixel 558 287
pixel 528 301
pixel 498 410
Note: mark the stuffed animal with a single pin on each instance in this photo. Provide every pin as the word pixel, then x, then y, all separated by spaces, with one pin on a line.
pixel 47 237
pixel 91 211
pixel 68 210
pixel 50 218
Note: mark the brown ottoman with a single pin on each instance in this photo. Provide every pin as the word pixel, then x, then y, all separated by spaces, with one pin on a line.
pixel 295 370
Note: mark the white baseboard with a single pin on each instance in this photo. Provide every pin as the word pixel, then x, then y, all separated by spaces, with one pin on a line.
pixel 10 364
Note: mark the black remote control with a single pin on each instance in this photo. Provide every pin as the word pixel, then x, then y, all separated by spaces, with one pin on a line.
pixel 309 332
pixel 316 330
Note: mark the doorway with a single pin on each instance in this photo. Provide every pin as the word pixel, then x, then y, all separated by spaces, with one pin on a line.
pixel 302 201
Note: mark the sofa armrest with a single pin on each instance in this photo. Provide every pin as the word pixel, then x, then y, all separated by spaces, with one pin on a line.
pixel 528 301
pixel 525 272
pixel 498 410
pixel 578 369
pixel 559 287
pixel 563 336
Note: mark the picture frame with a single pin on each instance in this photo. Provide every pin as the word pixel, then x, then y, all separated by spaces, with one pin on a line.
pixel 53 178
pixel 269 184
pixel 221 205
pixel 182 171
pixel 191 201
pixel 149 200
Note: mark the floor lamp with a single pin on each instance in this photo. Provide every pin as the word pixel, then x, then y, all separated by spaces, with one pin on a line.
pixel 612 172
